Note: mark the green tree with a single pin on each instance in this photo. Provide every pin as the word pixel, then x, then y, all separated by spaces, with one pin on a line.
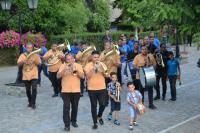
pixel 100 20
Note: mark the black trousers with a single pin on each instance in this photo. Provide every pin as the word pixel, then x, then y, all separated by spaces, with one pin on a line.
pixel 162 75
pixel 28 84
pixel 107 80
pixel 82 84
pixel 99 95
pixel 141 89
pixel 172 81
pixel 68 98
pixel 119 75
pixel 55 82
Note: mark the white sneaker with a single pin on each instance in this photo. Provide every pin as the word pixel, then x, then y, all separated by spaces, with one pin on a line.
pixel 131 127
pixel 135 123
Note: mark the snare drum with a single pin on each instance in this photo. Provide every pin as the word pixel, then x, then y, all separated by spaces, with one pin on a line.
pixel 140 109
pixel 147 76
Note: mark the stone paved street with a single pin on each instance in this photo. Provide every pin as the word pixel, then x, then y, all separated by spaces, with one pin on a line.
pixel 16 117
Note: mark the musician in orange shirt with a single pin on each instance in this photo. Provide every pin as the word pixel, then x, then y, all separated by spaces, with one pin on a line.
pixel 71 74
pixel 30 78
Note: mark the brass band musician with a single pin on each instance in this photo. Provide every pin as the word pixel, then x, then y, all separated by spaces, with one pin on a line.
pixel 111 64
pixel 71 73
pixel 53 69
pixel 30 75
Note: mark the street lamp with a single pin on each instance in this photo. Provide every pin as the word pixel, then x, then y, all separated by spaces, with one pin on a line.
pixel 6 5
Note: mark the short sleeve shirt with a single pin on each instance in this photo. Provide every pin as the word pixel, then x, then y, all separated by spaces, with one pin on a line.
pixel 97 80
pixel 106 38
pixel 173 66
pixel 55 67
pixel 70 83
pixel 116 59
pixel 134 98
pixel 33 74
pixel 140 61
pixel 89 53
pixel 112 88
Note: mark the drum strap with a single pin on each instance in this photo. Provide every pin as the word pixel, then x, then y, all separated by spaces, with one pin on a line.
pixel 135 95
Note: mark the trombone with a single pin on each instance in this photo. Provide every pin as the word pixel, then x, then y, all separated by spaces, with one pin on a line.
pixel 117 92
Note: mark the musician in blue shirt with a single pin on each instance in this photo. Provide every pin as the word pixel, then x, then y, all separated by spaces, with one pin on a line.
pixel 123 49
pixel 131 42
pixel 43 67
pixel 75 48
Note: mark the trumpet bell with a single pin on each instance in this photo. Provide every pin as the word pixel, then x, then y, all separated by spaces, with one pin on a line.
pixel 74 73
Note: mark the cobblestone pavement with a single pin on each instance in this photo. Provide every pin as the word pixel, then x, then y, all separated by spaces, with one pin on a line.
pixel 16 117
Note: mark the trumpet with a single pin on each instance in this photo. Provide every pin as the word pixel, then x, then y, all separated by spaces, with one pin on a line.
pixel 73 71
pixel 160 59
pixel 101 68
pixel 179 79
pixel 117 92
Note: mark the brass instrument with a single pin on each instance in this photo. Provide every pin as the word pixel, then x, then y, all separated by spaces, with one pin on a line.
pixel 179 79
pixel 72 69
pixel 101 68
pixel 117 92
pixel 108 59
pixel 31 57
pixel 85 55
pixel 54 59
pixel 160 59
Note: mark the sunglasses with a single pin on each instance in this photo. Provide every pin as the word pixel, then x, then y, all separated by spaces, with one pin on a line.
pixel 122 36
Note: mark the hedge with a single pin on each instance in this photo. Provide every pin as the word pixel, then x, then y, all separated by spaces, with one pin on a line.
pixel 98 38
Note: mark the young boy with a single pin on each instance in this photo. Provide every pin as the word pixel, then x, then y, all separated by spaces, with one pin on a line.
pixel 115 106
pixel 133 97
pixel 173 64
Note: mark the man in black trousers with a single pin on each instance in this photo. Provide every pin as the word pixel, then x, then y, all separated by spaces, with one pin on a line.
pixel 161 70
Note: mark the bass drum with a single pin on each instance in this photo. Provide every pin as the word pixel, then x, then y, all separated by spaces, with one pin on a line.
pixel 147 76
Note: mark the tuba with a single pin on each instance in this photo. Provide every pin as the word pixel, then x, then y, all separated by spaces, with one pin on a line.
pixel 31 57
pixel 117 93
pixel 54 59
pixel 101 68
pixel 85 55
pixel 160 59
pixel 179 79
pixel 107 58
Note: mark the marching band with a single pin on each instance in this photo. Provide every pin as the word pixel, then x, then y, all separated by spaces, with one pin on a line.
pixel 68 72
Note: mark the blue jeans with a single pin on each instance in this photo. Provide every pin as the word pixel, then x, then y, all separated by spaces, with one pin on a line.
pixel 172 81
pixel 44 68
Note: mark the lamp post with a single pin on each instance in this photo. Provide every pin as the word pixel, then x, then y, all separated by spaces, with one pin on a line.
pixel 6 5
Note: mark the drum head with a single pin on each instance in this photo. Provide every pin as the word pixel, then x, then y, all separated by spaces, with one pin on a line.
pixel 142 77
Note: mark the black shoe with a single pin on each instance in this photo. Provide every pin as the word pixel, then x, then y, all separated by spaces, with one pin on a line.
pixel 74 124
pixel 55 95
pixel 101 121
pixel 95 126
pixel 151 106
pixel 67 128
pixel 163 98
pixel 156 97
pixel 60 94
pixel 81 95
